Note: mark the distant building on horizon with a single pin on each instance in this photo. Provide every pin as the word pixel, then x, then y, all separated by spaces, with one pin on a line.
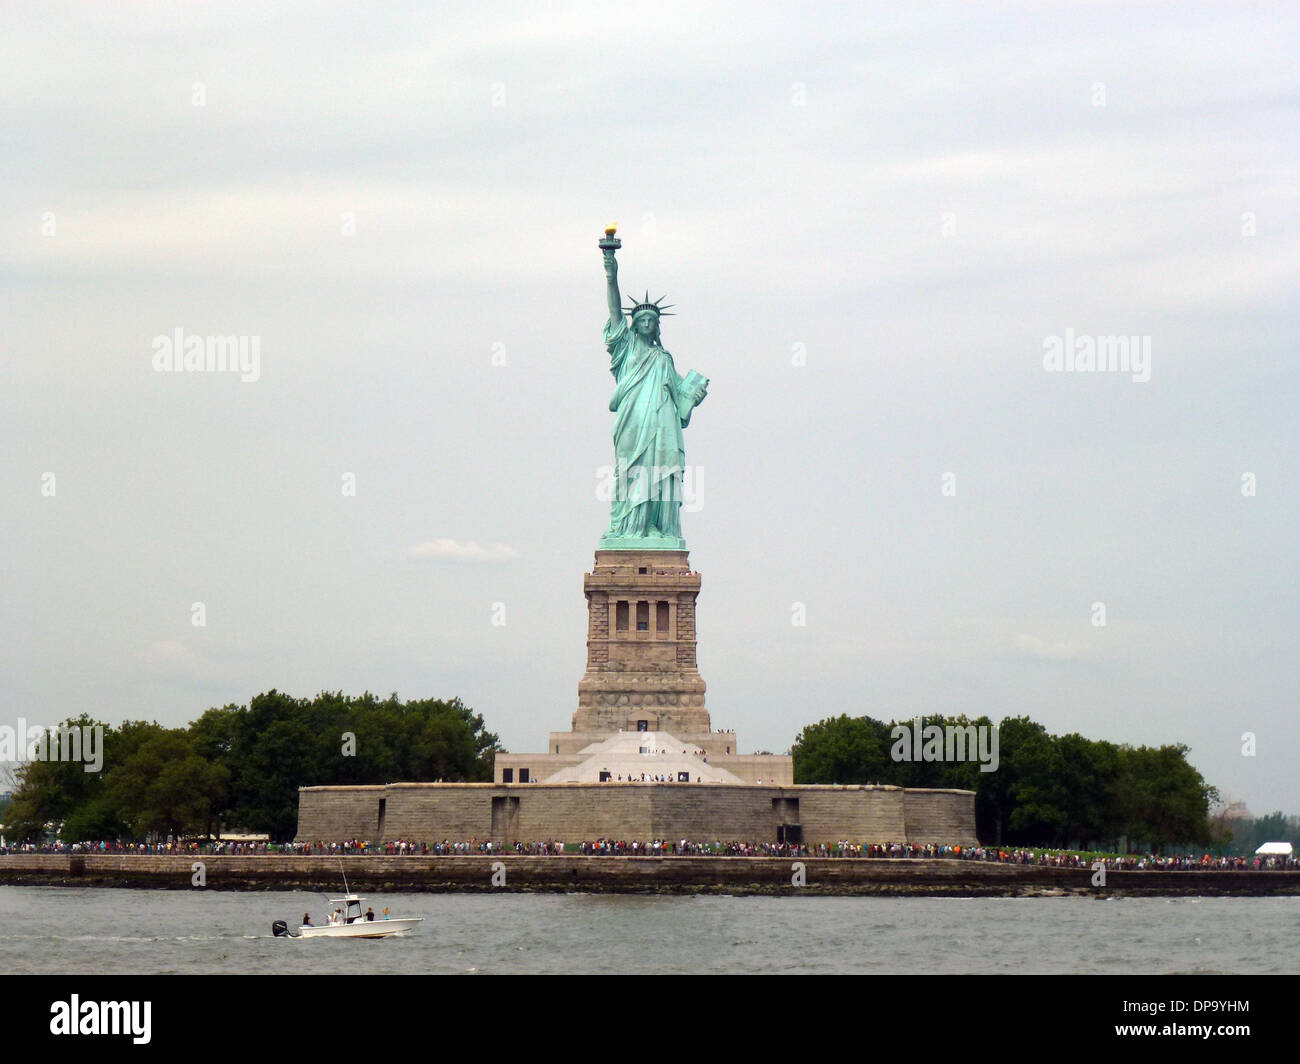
pixel 1237 811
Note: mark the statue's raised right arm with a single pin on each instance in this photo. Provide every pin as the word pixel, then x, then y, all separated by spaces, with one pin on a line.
pixel 611 294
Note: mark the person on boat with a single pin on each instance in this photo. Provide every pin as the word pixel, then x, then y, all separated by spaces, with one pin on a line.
pixel 370 915
pixel 386 913
pixel 306 919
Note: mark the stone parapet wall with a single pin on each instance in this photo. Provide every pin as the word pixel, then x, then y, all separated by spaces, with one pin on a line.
pixel 432 812
pixel 341 812
pixel 757 768
pixel 539 765
pixel 573 812
pixel 931 816
pixel 858 814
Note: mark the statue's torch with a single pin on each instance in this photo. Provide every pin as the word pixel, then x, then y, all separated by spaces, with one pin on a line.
pixel 611 243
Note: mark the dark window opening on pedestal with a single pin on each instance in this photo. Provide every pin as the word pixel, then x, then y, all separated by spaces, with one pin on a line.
pixel 505 815
pixel 661 617
pixel 604 776
pixel 523 775
pixel 643 616
pixel 620 617
pixel 643 570
pixel 507 775
pixel 643 725
pixel 683 777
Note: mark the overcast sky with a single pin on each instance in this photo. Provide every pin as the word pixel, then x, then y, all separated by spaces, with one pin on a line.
pixel 874 222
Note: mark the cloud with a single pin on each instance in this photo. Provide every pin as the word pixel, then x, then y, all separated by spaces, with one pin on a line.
pixel 172 657
pixel 450 550
pixel 1045 651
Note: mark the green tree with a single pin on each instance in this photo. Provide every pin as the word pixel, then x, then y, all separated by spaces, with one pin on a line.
pixel 842 750
pixel 1163 799
pixel 1041 813
pixel 278 744
pixel 48 791
pixel 243 765
pixel 1047 790
pixel 1090 773
pixel 164 786
pixel 997 793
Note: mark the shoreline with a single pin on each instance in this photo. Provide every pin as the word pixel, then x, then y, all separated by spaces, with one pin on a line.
pixel 517 873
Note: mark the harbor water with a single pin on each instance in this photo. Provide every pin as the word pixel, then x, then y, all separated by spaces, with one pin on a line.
pixel 102 931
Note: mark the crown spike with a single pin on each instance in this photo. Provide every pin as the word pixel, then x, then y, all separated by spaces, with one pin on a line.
pixel 658 306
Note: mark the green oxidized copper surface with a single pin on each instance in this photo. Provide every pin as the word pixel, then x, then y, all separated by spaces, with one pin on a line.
pixel 652 403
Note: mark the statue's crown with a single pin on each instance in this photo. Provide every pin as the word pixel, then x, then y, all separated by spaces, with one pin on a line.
pixel 658 306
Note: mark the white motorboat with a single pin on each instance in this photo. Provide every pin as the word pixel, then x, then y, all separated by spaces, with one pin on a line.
pixel 347 921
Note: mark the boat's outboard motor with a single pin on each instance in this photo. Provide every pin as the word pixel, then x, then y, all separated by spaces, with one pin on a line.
pixel 280 929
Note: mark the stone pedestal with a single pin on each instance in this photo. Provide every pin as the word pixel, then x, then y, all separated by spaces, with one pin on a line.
pixel 642 677
pixel 641 669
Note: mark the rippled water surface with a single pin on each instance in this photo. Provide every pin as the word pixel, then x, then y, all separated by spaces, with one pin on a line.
pixel 105 931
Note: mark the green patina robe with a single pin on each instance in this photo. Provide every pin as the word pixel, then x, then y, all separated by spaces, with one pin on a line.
pixel 650 455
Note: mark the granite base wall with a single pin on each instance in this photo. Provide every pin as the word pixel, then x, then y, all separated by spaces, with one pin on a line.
pixel 572 812
pixel 341 812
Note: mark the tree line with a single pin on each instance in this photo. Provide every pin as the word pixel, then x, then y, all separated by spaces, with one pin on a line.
pixel 241 766
pixel 1247 834
pixel 1048 790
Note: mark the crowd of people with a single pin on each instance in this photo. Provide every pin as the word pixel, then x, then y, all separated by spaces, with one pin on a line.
pixel 647 777
pixel 170 847
pixel 682 847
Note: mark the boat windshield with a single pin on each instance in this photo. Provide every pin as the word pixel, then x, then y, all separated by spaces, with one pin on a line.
pixel 353 911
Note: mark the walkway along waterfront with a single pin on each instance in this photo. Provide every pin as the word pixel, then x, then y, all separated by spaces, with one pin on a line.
pixel 498 872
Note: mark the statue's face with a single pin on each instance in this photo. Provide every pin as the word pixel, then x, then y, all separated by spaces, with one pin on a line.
pixel 646 325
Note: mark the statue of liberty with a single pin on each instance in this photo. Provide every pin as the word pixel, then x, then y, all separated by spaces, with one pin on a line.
pixel 653 404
